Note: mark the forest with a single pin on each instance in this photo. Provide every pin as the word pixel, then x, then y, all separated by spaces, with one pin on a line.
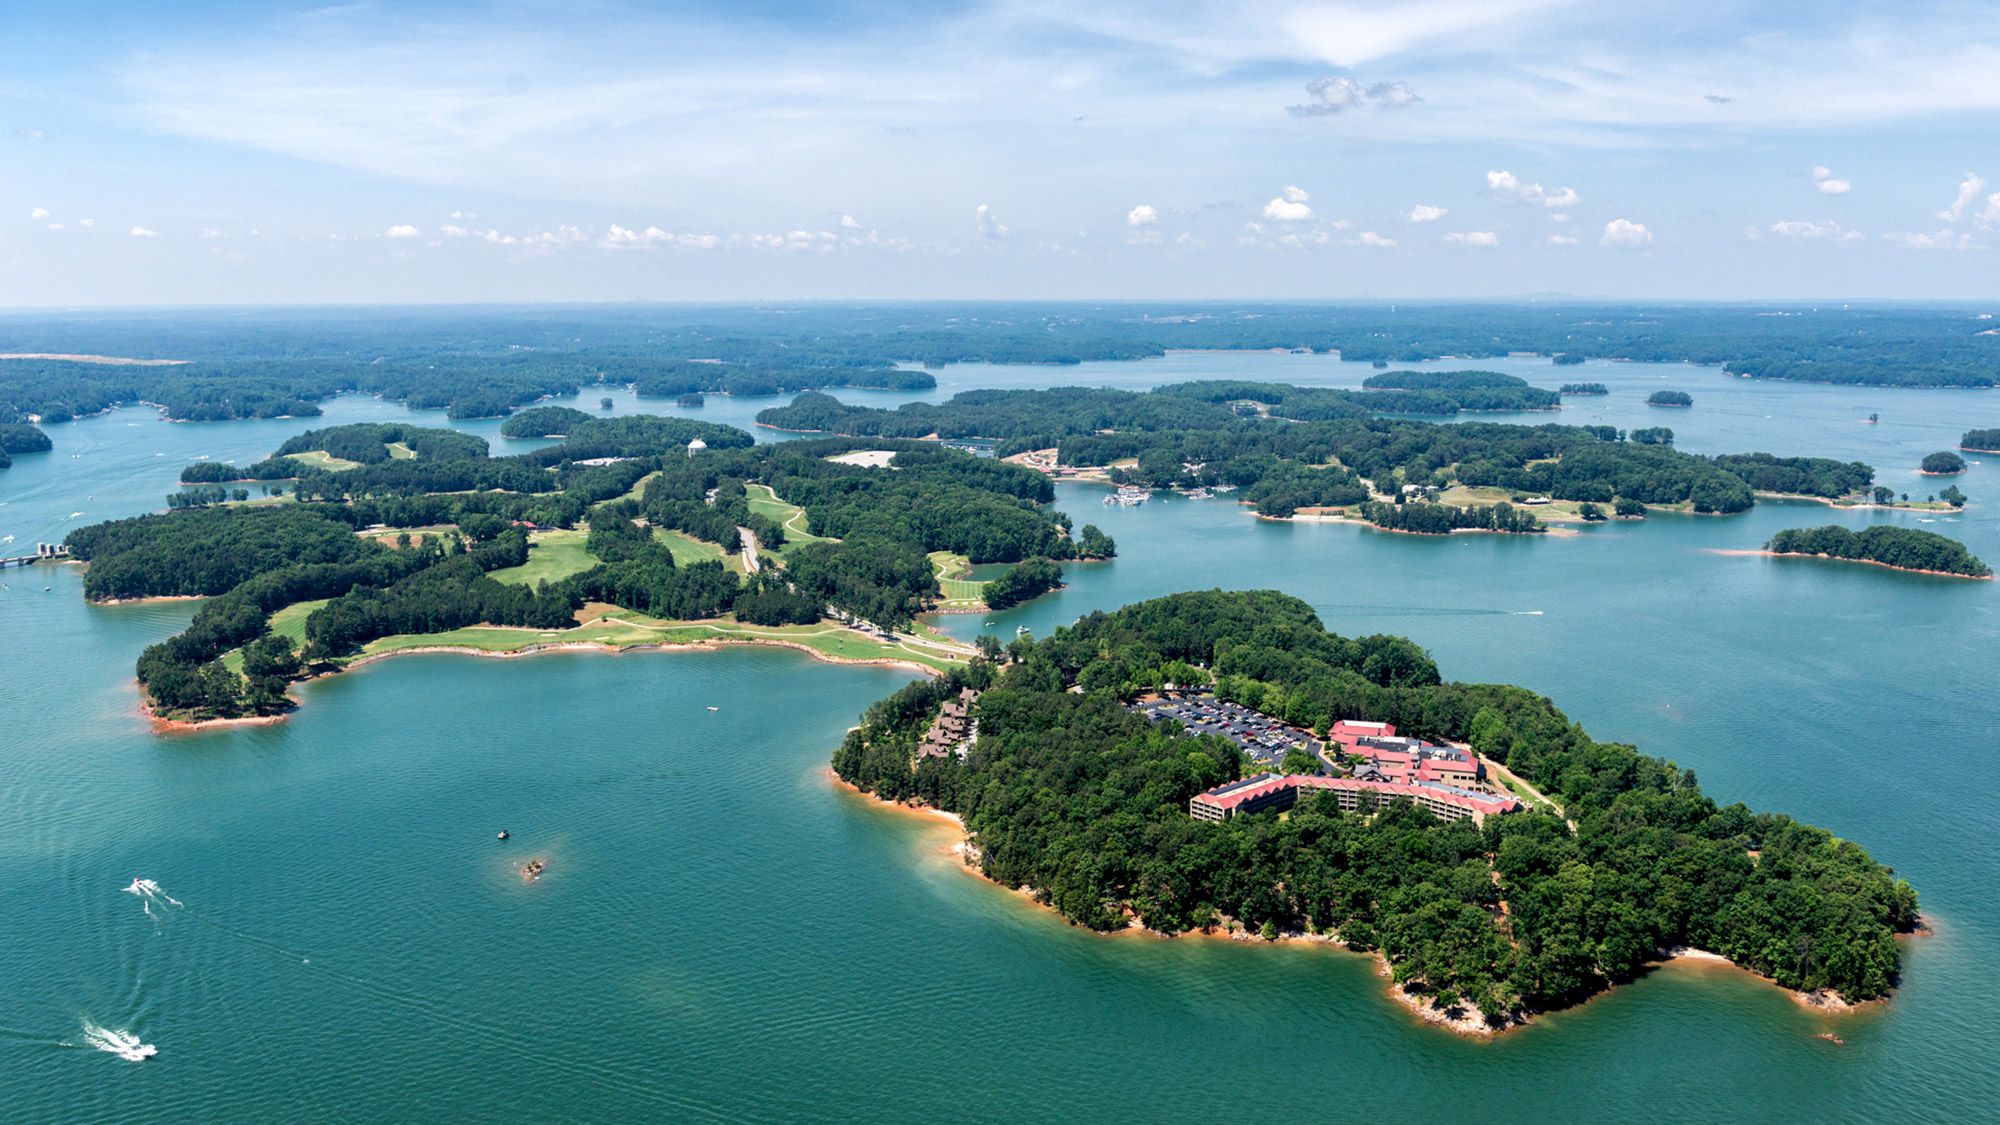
pixel 1024 581
pixel 1584 389
pixel 1904 548
pixel 1670 398
pixel 1068 793
pixel 1943 463
pixel 1290 456
pixel 1980 441
pixel 868 532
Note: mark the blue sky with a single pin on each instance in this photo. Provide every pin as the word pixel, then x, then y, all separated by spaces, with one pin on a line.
pixel 211 152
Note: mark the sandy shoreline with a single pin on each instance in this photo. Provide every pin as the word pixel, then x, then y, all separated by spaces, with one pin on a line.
pixel 1735 553
pixel 1465 1020
pixel 1309 516
pixel 1854 507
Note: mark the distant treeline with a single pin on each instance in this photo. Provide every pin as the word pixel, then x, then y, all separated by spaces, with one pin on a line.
pixel 1901 547
pixel 1305 455
pixel 1585 389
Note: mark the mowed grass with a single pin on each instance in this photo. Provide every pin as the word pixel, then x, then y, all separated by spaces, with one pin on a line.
pixel 321 459
pixel 791 517
pixel 958 591
pixel 552 557
pixel 401 452
pixel 621 628
pixel 686 548
pixel 288 622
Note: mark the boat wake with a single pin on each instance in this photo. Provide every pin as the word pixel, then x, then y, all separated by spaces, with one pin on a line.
pixel 150 895
pixel 1526 612
pixel 124 1044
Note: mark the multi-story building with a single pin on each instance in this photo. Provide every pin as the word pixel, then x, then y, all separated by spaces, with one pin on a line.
pixel 1272 791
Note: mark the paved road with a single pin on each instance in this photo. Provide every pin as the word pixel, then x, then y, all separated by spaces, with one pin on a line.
pixel 750 563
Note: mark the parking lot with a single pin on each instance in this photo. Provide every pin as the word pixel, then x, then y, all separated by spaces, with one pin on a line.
pixel 1263 738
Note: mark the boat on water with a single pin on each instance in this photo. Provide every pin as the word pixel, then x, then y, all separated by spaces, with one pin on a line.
pixel 1022 631
pixel 715 708
pixel 502 835
pixel 1128 496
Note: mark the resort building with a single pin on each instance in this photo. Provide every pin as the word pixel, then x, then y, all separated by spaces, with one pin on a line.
pixel 1270 791
pixel 953 729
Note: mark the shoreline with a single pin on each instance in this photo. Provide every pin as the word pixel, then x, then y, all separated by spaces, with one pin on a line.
pixel 1735 553
pixel 1304 515
pixel 1862 506
pixel 1468 1020
pixel 162 724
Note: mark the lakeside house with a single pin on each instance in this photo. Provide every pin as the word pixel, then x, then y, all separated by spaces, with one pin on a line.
pixel 953 730
pixel 1278 792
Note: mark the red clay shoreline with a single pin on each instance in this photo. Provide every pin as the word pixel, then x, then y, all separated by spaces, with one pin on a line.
pixel 1837 558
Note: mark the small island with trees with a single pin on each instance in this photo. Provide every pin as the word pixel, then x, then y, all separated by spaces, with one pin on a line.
pixel 1943 463
pixel 1612 861
pixel 1980 441
pixel 1670 398
pixel 1899 548
pixel 1569 389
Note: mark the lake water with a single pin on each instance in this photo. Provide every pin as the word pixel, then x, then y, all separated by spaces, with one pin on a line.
pixel 722 934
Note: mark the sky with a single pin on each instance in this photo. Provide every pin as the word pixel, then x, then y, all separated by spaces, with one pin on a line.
pixel 214 152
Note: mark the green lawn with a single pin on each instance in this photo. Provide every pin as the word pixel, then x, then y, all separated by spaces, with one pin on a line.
pixel 687 549
pixel 626 628
pixel 321 459
pixel 791 517
pixel 959 592
pixel 552 556
pixel 401 452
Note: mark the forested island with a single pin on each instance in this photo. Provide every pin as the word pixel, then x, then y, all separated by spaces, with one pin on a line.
pixel 1901 548
pixel 1980 441
pixel 1585 389
pixel 686 522
pixel 19 437
pixel 1670 398
pixel 1289 449
pixel 1068 793
pixel 1943 463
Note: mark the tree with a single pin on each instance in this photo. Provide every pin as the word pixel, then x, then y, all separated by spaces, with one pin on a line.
pixel 604 403
pixel 1943 463
pixel 988 646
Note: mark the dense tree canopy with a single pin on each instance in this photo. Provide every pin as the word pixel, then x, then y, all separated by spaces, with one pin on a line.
pixel 1943 463
pixel 1980 441
pixel 1086 802
pixel 1905 548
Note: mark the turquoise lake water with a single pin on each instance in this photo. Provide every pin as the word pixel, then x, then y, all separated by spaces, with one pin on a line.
pixel 722 934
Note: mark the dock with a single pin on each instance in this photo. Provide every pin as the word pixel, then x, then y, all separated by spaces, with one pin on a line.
pixel 44 552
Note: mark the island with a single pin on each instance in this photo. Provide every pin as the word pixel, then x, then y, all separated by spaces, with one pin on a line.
pixel 1899 548
pixel 1670 398
pixel 1289 451
pixel 1584 389
pixel 1943 463
pixel 1980 441
pixel 1497 859
pixel 21 437
pixel 635 531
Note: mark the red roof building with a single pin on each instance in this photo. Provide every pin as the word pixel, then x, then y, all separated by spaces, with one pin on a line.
pixel 1281 791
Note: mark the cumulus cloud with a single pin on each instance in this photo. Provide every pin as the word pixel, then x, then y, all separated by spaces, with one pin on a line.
pixel 402 230
pixel 987 225
pixel 1717 99
pixel 1370 238
pixel 1968 191
pixel 451 230
pixel 1563 240
pixel 1823 179
pixel 1326 96
pixel 1425 213
pixel 86 222
pixel 1144 215
pixel 1938 240
pixel 1990 217
pixel 38 214
pixel 1289 206
pixel 849 222
pixel 1625 234
pixel 1473 238
pixel 142 232
pixel 1509 188
pixel 1804 228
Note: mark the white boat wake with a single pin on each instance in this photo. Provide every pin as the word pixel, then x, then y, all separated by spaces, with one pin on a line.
pixel 124 1044
pixel 149 893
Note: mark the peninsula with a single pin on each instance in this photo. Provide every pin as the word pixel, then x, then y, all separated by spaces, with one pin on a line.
pixel 1499 860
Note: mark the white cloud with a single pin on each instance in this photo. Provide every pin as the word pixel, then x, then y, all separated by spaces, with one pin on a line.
pixel 1325 96
pixel 462 215
pixel 1939 240
pixel 1425 213
pixel 1625 233
pixel 1988 218
pixel 849 222
pixel 142 232
pixel 1349 34
pixel 1804 228
pixel 1370 238
pixel 38 214
pixel 1823 179
pixel 210 233
pixel 1968 191
pixel 1473 238
pixel 450 230
pixel 1289 206
pixel 1563 240
pixel 989 227
pixel 1509 188
pixel 1144 215
pixel 402 230
pixel 86 222
pixel 33 134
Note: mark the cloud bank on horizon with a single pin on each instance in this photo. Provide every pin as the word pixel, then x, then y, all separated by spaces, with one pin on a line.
pixel 528 150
